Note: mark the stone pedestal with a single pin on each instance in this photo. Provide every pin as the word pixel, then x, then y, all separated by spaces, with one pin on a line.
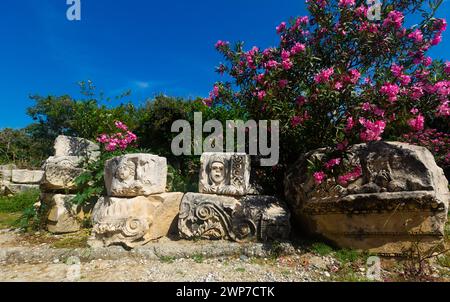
pixel 400 200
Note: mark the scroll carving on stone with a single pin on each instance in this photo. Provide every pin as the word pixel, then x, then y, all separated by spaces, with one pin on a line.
pixel 215 217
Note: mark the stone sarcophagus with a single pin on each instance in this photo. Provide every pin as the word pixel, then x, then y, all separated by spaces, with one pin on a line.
pixel 398 201
pixel 136 175
pixel 214 217
pixel 225 174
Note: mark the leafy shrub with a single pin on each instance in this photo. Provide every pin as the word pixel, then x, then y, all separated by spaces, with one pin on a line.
pixel 336 79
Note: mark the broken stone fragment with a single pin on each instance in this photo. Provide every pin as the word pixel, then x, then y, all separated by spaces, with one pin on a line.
pixel 215 217
pixel 136 175
pixel 61 172
pixel 76 146
pixel 225 174
pixel 62 215
pixel 400 200
pixel 26 176
pixel 13 189
pixel 133 222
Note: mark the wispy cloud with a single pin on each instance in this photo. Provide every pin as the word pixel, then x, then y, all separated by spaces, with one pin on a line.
pixel 141 84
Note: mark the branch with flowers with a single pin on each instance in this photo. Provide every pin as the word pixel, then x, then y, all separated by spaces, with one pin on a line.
pixel 337 79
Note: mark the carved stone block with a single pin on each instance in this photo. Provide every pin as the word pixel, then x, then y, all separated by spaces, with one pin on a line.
pixel 225 174
pixel 215 217
pixel 400 199
pixel 61 172
pixel 136 175
pixel 133 222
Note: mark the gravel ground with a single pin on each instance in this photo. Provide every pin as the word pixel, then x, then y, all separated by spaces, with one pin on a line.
pixel 35 258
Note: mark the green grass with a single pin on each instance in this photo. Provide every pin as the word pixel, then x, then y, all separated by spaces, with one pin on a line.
pixel 198 258
pixel 321 249
pixel 240 270
pixel 8 220
pixel 349 275
pixel 73 241
pixel 346 256
pixel 19 202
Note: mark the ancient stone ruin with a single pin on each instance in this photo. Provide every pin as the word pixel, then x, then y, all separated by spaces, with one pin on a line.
pixel 226 211
pixel 58 186
pixel 401 199
pixel 137 209
pixel 14 181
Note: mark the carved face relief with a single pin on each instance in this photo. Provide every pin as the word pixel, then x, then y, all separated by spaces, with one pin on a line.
pixel 217 173
pixel 126 171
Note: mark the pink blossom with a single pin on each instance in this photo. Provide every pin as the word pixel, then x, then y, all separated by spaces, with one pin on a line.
pixel 287 64
pixel 417 123
pixel 444 109
pixel 416 35
pixel 283 83
pixel 221 44
pixel 300 101
pixel 441 25
pixel 343 3
pixel 447 67
pixel 436 39
pixel 296 120
pixel 366 107
pixel 397 70
pixel 271 64
pixel 261 95
pixel 361 11
pixel 324 75
pixel 373 130
pixel 350 124
pixel 332 163
pixel 414 111
pixel 342 146
pixel 297 48
pixel 281 27
pixel 338 85
pixel 391 91
pixel 215 92
pixel 285 54
pixel 349 177
pixel 319 177
pixel 427 61
pixel 395 19
pixel 121 126
pixel 405 80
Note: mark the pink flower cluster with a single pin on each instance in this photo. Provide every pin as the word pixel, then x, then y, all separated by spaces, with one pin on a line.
pixel 417 123
pixel 345 179
pixel 372 131
pixel 324 75
pixel 391 91
pixel 447 67
pixel 416 36
pixel 395 19
pixel 343 3
pixel 332 163
pixel 120 140
pixel 437 142
pixel 319 177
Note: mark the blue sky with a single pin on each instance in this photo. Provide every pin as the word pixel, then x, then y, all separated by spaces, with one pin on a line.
pixel 147 46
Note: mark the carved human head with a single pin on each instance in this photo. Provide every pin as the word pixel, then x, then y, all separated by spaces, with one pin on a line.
pixel 217 169
pixel 126 170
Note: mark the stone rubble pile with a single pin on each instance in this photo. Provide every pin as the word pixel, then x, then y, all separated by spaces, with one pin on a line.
pixel 58 183
pixel 14 181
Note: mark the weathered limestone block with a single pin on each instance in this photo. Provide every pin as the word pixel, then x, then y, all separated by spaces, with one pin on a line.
pixel 225 174
pixel 133 222
pixel 75 146
pixel 135 175
pixel 216 217
pixel 6 172
pixel 61 172
pixel 26 176
pixel 13 189
pixel 401 199
pixel 63 217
